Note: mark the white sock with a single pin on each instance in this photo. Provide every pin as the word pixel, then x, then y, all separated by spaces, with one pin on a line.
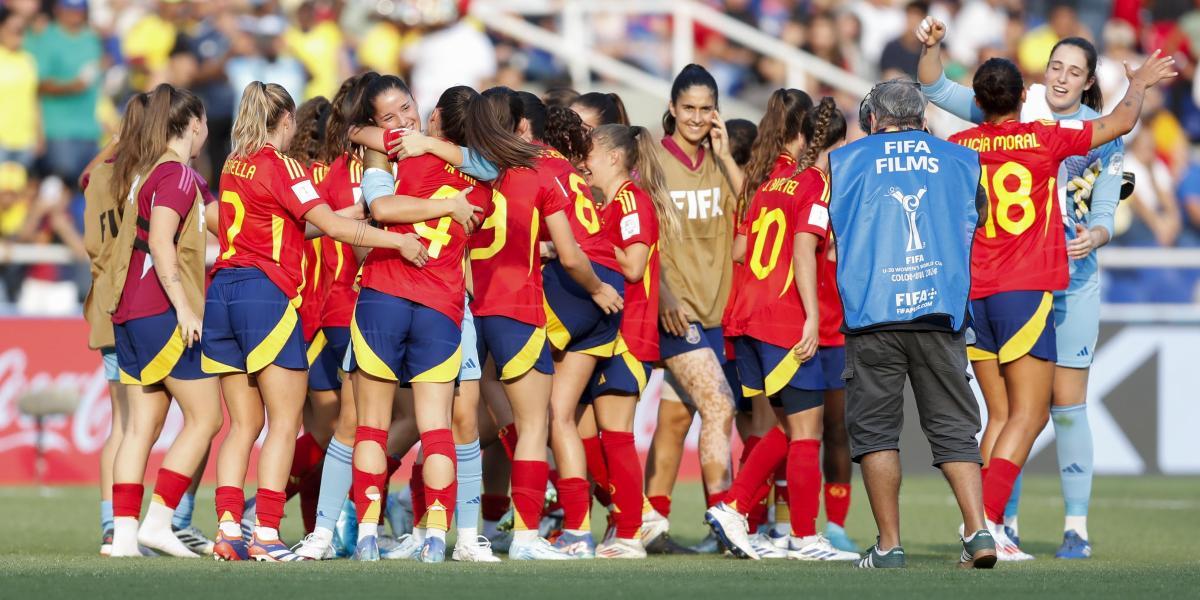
pixel 366 530
pixel 525 536
pixel 419 534
pixel 125 542
pixel 158 517
pixel 1076 523
pixel 1011 523
pixel 323 534
pixel 231 529
pixel 266 533
pixel 436 533
pixel 490 529
pixel 468 535
pixel 155 532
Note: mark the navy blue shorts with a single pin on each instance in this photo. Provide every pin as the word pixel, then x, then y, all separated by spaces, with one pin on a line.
pixel 150 349
pixel 1009 325
pixel 399 340
pixel 326 353
pixel 574 322
pixel 670 346
pixel 833 363
pixel 768 369
pixel 516 347
pixel 250 323
pixel 620 374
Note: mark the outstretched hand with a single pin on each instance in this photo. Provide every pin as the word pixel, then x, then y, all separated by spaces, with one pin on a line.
pixel 1156 68
pixel 931 32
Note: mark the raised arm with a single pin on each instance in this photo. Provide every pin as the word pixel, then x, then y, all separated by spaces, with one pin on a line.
pixel 386 207
pixel 1122 119
pixel 950 96
pixel 415 143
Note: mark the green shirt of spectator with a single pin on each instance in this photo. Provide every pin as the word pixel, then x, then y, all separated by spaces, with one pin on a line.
pixel 68 57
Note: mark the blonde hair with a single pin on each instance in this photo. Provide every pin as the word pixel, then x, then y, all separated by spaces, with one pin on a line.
pixel 637 145
pixel 263 107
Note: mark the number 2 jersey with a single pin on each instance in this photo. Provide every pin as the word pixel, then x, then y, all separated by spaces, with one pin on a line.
pixel 768 306
pixel 441 283
pixel 263 200
pixel 1021 245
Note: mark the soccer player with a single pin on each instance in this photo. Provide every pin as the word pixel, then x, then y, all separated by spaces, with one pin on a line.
pixel 620 154
pixel 1019 260
pixel 508 306
pixel 1070 91
pixel 777 314
pixel 251 324
pixel 599 108
pixel 158 266
pixel 835 464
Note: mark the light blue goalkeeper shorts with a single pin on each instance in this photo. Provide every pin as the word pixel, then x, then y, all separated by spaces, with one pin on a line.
pixel 1077 323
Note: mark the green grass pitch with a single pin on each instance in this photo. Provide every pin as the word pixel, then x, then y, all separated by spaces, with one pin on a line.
pixel 1144 530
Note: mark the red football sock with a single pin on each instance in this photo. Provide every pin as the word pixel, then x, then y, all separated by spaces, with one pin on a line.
pixel 368 508
pixel 493 507
pixel 269 508
pixel 747 448
pixel 416 490
pixel 508 439
pixel 231 501
pixel 997 487
pixel 169 487
pixel 310 493
pixel 305 458
pixel 715 498
pixel 625 476
pixel 758 513
pixel 576 500
pixel 528 492
pixel 661 504
pixel 127 499
pixel 440 502
pixel 766 457
pixel 804 485
pixel 837 503
pixel 593 451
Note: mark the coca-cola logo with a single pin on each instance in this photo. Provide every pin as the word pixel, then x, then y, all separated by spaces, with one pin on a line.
pixel 84 431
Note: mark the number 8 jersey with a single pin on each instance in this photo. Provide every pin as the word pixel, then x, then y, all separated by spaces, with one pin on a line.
pixel 1021 245
pixel 767 307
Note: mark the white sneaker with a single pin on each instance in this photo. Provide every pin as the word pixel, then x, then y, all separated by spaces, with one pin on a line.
pixel 406 547
pixel 621 548
pixel 730 527
pixel 765 547
pixel 155 533
pixel 537 549
pixel 653 526
pixel 317 545
pixel 817 547
pixel 1006 550
pixel 479 550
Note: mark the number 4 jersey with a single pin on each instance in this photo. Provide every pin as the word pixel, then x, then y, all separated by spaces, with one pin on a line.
pixel 440 284
pixel 1021 245
pixel 767 307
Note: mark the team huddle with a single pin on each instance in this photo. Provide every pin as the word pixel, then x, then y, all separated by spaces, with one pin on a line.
pixel 495 285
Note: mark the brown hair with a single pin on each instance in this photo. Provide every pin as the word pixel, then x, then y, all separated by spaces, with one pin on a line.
pixel 609 106
pixel 337 129
pixel 491 125
pixel 311 120
pixel 823 127
pixel 566 133
pixel 781 124
pixel 452 109
pixel 638 147
pixel 152 120
pixel 560 96
pixel 263 107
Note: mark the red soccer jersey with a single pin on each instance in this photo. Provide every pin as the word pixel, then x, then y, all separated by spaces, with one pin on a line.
pixel 635 222
pixel 582 214
pixel 1021 246
pixel 340 186
pixel 728 327
pixel 174 186
pixel 440 284
pixel 828 298
pixel 505 263
pixel 314 289
pixel 264 198
pixel 768 305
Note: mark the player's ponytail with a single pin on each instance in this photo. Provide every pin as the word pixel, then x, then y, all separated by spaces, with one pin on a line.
pixel 823 127
pixel 164 115
pixel 311 123
pixel 1092 96
pixel 337 129
pixel 608 106
pixel 536 114
pixel 262 109
pixel 636 144
pixel 491 126
pixel 780 125
pixel 452 112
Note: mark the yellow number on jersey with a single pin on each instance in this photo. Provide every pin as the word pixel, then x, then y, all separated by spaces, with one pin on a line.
pixel 498 223
pixel 585 209
pixel 438 236
pixel 1007 198
pixel 239 214
pixel 762 226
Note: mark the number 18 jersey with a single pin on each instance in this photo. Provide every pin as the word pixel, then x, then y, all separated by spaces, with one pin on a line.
pixel 1021 246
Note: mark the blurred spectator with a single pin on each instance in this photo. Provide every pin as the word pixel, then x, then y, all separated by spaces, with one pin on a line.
pixel 147 45
pixel 317 42
pixel 14 208
pixel 380 48
pixel 902 53
pixel 47 289
pixel 881 22
pixel 1120 46
pixel 1034 50
pixel 260 55
pixel 1152 217
pixel 974 28
pixel 210 46
pixel 68 57
pixel 474 61
pixel 21 132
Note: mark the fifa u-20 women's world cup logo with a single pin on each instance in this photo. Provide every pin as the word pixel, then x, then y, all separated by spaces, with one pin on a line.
pixel 910 203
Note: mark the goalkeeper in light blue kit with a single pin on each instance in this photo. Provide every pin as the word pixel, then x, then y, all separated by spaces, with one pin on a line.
pixel 1089 187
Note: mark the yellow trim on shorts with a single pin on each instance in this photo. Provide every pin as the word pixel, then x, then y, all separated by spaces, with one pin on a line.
pixel 782 373
pixel 268 350
pixel 527 357
pixel 607 350
pixel 749 392
pixel 315 348
pixel 160 366
pixel 366 358
pixel 556 331
pixel 635 367
pixel 126 378
pixel 978 354
pixel 216 367
pixel 1022 342
pixel 444 373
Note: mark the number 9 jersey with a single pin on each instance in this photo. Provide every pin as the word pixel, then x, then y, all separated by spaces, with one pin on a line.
pixel 1021 245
